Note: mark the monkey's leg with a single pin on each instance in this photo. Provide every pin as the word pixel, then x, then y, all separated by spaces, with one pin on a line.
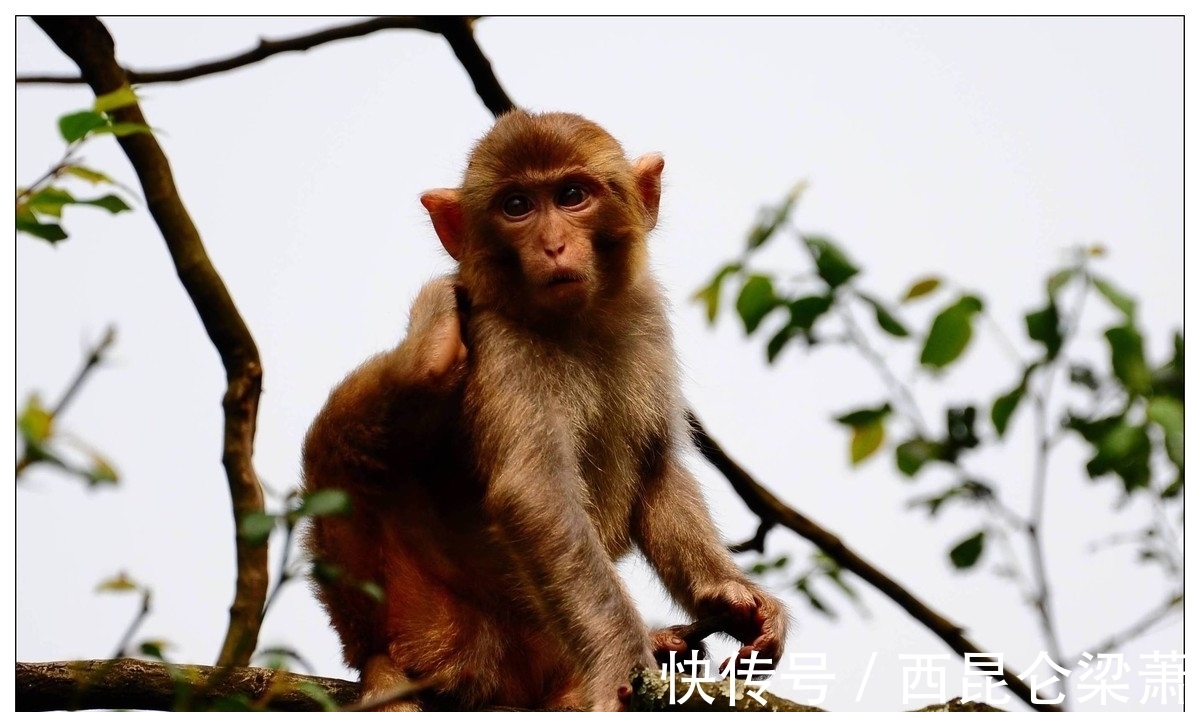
pixel 380 679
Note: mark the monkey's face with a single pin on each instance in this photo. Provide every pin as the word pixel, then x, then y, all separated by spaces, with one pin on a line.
pixel 551 217
pixel 544 232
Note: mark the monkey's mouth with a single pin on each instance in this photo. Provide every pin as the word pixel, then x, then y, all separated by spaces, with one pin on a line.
pixel 564 276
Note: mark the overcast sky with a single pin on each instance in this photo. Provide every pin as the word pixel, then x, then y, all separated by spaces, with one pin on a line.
pixel 981 150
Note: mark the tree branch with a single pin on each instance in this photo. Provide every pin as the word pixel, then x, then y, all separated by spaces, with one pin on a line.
pixel 87 42
pixel 140 684
pixel 264 50
pixel 771 510
pixel 1138 628
pixel 457 31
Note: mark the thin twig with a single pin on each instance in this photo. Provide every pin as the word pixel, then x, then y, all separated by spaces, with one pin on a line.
pixel 857 339
pixel 1037 508
pixel 87 42
pixel 143 611
pixel 1139 627
pixel 93 359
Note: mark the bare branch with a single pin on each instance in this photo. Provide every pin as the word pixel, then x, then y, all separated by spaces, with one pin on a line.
pixel 87 42
pixel 770 509
pixel 265 49
pixel 457 31
pixel 1139 627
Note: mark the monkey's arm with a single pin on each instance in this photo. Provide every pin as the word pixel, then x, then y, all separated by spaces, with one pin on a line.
pixel 535 503
pixel 398 399
pixel 675 532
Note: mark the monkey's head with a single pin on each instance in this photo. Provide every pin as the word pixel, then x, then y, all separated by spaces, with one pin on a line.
pixel 551 219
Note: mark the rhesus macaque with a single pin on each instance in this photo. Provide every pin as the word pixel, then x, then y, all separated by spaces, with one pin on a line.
pixel 524 435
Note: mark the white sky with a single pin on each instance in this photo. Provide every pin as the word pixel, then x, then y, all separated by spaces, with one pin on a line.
pixel 978 149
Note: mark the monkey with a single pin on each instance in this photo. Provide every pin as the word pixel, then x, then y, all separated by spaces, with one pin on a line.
pixel 525 434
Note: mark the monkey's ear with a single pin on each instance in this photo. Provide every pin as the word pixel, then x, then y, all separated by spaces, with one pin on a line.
pixel 647 171
pixel 445 211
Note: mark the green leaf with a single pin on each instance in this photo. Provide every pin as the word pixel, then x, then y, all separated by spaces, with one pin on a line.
pixel 154 649
pixel 326 572
pixel 710 295
pixel 1116 297
pixel 1167 412
pixel 1043 327
pixel 771 219
pixel 324 502
pixel 91 176
pixel 779 340
pixel 1004 406
pixel 1083 375
pixel 1128 358
pixel 1058 280
pixel 101 472
pixel 802 585
pixel 950 333
pixel 115 99
pixel 966 553
pixel 50 232
pixel 120 583
pixel 912 455
pixel 34 422
pixel 833 267
pixel 864 416
pixel 865 440
pixel 256 527
pixel 935 502
pixel 921 288
pixel 1093 430
pixel 756 300
pixel 109 202
pixel 49 201
pixel 886 321
pixel 74 127
pixel 1124 450
pixel 960 430
pixel 806 310
pixel 372 589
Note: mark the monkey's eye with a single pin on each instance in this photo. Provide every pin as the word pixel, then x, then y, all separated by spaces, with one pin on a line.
pixel 516 205
pixel 572 195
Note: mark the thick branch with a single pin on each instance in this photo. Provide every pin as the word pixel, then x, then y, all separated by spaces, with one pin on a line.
pixel 771 510
pixel 139 684
pixel 456 30
pixel 87 42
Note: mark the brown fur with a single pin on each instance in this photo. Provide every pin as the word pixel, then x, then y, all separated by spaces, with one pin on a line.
pixel 510 449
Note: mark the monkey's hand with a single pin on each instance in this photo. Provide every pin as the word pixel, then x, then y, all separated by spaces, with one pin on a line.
pixel 434 345
pixel 683 639
pixel 754 617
